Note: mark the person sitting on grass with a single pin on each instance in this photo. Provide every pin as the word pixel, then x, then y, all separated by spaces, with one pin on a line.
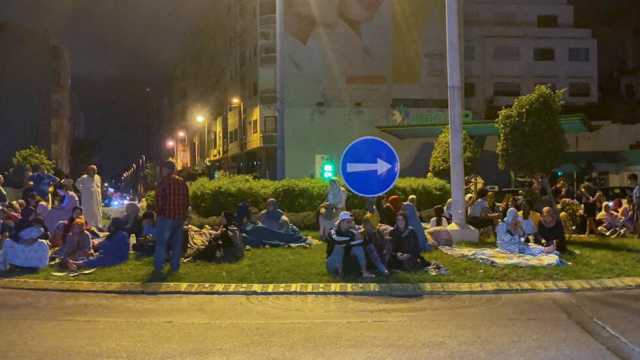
pixel 28 213
pixel 272 217
pixel 627 217
pixel 479 215
pixel 413 218
pixel 438 234
pixel 133 220
pixel 110 251
pixel 551 232
pixel 371 236
pixel 77 245
pixel 225 245
pixel 344 240
pixel 511 237
pixel 611 225
pixel 405 254
pixel 144 244
pixel 8 220
pixel 530 220
pixel 377 235
pixel 29 249
pixel 63 228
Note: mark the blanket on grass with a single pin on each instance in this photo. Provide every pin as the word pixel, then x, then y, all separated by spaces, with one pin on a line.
pixel 501 258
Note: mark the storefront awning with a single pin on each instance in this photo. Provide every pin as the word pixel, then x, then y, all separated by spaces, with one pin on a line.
pixel 571 124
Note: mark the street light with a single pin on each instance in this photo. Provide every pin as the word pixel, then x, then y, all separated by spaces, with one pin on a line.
pixel 201 119
pixel 171 144
pixel 183 135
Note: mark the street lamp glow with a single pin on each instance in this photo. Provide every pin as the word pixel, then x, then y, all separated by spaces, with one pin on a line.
pixel 235 100
pixel 182 134
pixel 171 144
pixel 200 119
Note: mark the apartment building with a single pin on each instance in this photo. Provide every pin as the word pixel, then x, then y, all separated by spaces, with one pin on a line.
pixel 353 68
pixel 35 106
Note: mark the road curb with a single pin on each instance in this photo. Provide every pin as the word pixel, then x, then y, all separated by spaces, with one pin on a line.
pixel 364 289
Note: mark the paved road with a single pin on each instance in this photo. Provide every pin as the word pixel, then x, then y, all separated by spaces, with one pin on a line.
pixel 39 325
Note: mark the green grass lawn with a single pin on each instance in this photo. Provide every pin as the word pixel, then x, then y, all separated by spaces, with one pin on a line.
pixel 595 258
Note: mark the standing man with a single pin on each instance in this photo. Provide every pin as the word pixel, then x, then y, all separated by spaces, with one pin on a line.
pixel 3 193
pixel 90 186
pixel 172 205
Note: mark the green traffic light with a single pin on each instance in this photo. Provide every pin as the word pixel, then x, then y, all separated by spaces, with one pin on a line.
pixel 328 170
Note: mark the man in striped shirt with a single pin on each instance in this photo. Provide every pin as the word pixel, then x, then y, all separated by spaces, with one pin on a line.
pixel 172 204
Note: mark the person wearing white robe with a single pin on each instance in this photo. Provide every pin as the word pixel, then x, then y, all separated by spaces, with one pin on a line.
pixel 90 186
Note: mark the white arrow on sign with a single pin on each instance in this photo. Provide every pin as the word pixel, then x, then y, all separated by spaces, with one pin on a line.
pixel 380 167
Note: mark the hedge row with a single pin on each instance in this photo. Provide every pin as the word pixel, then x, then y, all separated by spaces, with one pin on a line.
pixel 211 197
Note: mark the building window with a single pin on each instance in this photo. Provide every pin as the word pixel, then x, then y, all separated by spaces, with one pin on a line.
pixel 469 90
pixel 506 53
pixel 629 91
pixel 469 53
pixel 254 126
pixel 544 54
pixel 580 89
pixel 506 89
pixel 270 125
pixel 547 21
pixel 579 54
pixel 267 7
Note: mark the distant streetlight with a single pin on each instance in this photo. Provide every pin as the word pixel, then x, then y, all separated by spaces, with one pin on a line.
pixel 201 119
pixel 171 144
pixel 237 101
pixel 182 135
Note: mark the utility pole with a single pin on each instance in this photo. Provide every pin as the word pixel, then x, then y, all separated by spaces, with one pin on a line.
pixel 280 65
pixel 460 231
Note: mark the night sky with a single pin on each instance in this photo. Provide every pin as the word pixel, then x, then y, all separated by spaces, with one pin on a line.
pixel 118 50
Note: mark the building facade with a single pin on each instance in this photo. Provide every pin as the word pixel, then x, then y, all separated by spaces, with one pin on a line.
pixel 352 68
pixel 35 106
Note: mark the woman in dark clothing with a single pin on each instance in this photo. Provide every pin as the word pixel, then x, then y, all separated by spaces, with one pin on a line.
pixel 590 208
pixel 551 231
pixel 405 247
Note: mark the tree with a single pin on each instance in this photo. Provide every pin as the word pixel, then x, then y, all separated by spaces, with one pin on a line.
pixel 531 139
pixel 31 156
pixel 440 159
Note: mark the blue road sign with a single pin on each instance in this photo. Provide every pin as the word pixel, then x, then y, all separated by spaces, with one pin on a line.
pixel 370 166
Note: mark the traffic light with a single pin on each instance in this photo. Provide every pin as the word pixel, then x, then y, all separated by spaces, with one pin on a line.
pixel 328 170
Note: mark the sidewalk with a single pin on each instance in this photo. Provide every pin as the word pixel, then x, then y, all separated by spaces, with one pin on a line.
pixel 322 289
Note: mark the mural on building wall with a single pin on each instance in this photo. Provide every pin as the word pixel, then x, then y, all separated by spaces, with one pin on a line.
pixel 364 52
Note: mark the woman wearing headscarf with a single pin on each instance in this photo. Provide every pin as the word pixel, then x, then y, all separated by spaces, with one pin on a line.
pixel 77 245
pixel 413 218
pixel 405 247
pixel 68 201
pixel 511 236
pixel 111 251
pixel 29 250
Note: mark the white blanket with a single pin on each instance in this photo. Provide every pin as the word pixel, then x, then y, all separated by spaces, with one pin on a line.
pixel 499 257
pixel 33 256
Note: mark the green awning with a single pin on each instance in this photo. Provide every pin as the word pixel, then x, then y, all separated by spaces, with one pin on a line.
pixel 571 124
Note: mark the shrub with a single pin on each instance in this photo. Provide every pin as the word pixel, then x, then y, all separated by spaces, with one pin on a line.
pixel 31 156
pixel 211 197
pixel 440 158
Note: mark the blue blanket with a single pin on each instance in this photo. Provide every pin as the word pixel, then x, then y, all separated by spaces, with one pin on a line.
pixel 261 236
